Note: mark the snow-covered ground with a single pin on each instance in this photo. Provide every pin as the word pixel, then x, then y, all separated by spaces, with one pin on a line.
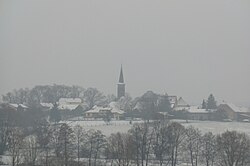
pixel 219 127
pixel 124 126
pixel 112 127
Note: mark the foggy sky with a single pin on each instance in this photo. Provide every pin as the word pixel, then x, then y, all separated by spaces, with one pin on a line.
pixel 189 48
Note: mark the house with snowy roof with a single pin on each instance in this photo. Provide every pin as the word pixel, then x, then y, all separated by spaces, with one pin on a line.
pixel 233 112
pixel 71 104
pixel 196 113
pixel 100 112
pixel 18 107
pixel 183 110
pixel 181 105
pixel 46 106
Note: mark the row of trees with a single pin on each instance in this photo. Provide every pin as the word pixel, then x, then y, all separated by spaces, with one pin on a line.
pixel 91 96
pixel 152 102
pixel 158 143
pixel 51 94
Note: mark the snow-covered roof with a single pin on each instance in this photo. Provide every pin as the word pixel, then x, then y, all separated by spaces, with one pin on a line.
pixel 195 109
pixel 138 106
pixel 237 109
pixel 181 105
pixel 113 104
pixel 68 106
pixel 48 105
pixel 97 109
pixel 70 100
pixel 18 105
pixel 165 113
pixel 181 102
pixel 117 111
pixel 180 108
pixel 69 103
pixel 113 109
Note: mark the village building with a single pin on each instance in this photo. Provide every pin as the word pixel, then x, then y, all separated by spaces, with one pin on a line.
pixel 101 112
pixel 181 105
pixel 46 106
pixel 196 113
pixel 229 111
pixel 17 107
pixel 183 110
pixel 13 107
pixel 71 104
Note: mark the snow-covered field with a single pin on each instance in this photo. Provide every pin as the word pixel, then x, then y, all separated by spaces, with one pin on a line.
pixel 219 127
pixel 124 126
pixel 113 127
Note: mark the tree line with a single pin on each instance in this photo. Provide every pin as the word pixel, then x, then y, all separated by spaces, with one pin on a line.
pixel 150 101
pixel 158 143
pixel 52 93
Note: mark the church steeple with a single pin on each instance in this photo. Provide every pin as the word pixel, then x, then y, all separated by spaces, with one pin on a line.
pixel 121 79
pixel 121 85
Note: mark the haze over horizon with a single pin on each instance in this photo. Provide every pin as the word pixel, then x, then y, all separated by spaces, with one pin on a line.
pixel 185 48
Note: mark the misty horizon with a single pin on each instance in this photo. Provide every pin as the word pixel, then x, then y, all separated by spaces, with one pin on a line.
pixel 189 49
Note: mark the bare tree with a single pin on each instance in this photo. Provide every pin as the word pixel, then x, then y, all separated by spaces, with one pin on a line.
pixel 43 134
pixel 136 139
pixel 193 144
pixel 15 143
pixel 129 148
pixel 93 97
pixel 17 96
pixel 76 91
pixel 121 148
pixel 36 95
pixel 4 131
pixel 209 149
pixel 161 141
pixel 9 97
pixel 233 149
pixel 143 138
pixel 125 103
pixel 176 137
pixel 95 142
pixel 30 150
pixel 65 140
pixel 110 98
pixel 79 135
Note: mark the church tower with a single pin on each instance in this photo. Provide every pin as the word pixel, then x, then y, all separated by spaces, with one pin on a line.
pixel 121 86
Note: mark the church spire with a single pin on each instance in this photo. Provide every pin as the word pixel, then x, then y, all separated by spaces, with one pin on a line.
pixel 121 79
pixel 120 86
